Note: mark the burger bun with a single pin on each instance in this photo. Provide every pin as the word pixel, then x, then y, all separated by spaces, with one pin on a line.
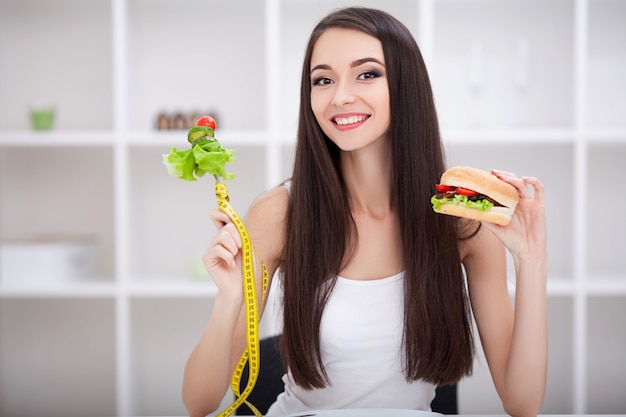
pixel 497 215
pixel 484 183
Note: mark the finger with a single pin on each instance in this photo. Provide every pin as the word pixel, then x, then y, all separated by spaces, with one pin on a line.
pixel 537 186
pixel 217 254
pixel 229 233
pixel 227 242
pixel 219 218
pixel 518 183
pixel 499 172
pixel 225 245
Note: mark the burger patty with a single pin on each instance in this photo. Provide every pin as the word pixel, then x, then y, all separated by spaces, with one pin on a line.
pixel 478 196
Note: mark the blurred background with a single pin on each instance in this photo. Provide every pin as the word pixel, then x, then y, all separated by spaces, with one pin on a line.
pixel 102 296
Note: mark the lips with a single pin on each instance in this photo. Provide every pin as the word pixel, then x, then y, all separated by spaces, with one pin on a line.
pixel 349 121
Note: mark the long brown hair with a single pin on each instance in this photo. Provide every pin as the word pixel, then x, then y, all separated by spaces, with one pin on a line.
pixel 437 338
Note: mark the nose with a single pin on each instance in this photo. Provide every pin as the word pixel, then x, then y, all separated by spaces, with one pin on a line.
pixel 343 94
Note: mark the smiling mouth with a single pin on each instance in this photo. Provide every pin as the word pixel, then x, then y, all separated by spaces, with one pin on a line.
pixel 345 121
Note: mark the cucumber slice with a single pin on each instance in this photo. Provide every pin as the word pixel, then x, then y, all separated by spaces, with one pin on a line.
pixel 198 132
pixel 202 140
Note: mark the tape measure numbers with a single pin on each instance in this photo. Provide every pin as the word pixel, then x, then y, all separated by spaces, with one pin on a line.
pixel 251 353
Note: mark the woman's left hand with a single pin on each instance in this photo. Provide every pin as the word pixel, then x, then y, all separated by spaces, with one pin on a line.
pixel 526 235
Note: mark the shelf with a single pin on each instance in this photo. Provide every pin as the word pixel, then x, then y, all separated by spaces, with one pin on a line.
pixel 606 286
pixel 227 138
pixel 171 288
pixel 245 138
pixel 56 138
pixel 76 290
pixel 558 287
pixel 185 287
pixel 606 136
pixel 147 138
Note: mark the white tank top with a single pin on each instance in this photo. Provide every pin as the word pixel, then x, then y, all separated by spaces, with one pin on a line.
pixel 361 344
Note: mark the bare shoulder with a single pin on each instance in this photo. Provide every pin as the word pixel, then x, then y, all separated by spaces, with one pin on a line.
pixel 265 222
pixel 270 206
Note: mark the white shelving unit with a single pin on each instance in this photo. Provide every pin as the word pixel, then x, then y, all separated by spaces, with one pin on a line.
pixel 536 87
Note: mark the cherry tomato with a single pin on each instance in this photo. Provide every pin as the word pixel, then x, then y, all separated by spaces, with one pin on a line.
pixel 465 191
pixel 444 188
pixel 206 121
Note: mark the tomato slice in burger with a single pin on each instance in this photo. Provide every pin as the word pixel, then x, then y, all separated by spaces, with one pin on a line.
pixel 444 188
pixel 465 191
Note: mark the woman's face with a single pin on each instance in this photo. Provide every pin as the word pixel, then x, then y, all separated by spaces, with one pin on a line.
pixel 349 91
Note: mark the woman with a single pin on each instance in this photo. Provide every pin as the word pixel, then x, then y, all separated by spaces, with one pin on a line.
pixel 375 309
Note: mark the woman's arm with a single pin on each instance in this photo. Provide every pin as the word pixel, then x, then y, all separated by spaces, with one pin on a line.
pixel 211 364
pixel 515 341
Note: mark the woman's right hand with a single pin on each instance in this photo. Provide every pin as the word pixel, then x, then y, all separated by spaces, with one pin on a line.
pixel 210 366
pixel 222 258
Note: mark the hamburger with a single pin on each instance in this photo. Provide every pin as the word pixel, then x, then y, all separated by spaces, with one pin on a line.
pixel 475 194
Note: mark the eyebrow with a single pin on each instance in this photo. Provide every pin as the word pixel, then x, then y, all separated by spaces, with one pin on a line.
pixel 353 64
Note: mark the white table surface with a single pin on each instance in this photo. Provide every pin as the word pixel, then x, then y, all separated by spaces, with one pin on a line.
pixel 401 413
pixel 407 413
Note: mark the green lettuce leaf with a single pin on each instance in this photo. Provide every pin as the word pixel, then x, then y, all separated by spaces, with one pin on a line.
pixel 206 156
pixel 482 205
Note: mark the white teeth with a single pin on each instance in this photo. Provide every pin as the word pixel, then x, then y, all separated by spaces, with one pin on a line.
pixel 349 120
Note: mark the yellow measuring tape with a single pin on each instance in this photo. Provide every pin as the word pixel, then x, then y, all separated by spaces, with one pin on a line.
pixel 251 354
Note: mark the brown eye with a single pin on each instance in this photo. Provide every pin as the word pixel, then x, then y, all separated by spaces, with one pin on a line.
pixel 321 81
pixel 369 75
